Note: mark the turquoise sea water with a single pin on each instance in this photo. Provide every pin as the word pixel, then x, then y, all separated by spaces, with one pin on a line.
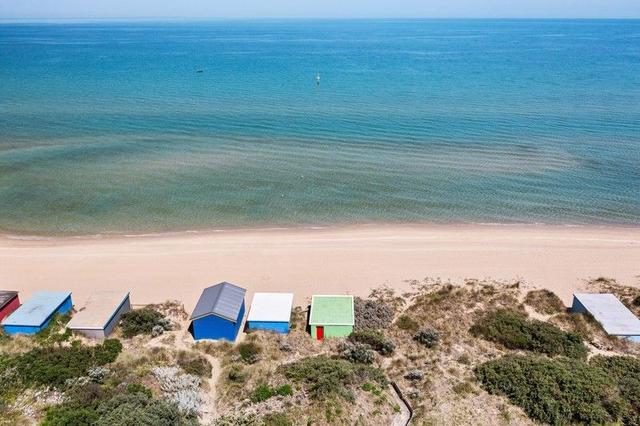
pixel 108 127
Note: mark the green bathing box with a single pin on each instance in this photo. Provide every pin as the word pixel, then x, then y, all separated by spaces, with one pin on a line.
pixel 331 316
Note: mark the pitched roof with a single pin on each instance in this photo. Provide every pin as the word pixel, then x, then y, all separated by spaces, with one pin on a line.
pixel 35 311
pixel 614 317
pixel 332 310
pixel 6 297
pixel 98 310
pixel 273 307
pixel 223 300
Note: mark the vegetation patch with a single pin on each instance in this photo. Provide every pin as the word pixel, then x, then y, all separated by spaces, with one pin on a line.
pixel 372 314
pixel 116 409
pixel 54 366
pixel 515 331
pixel 53 332
pixel 357 352
pixel 375 340
pixel 561 390
pixel 143 321
pixel 264 392
pixel 325 378
pixel 428 337
pixel 544 302
pixel 249 352
pixel 194 363
pixel 405 322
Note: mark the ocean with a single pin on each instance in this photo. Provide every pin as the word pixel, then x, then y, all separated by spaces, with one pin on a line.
pixel 140 126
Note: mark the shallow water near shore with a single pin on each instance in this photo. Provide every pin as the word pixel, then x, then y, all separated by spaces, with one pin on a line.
pixel 110 128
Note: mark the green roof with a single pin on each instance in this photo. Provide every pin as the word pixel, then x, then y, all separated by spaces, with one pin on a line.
pixel 331 310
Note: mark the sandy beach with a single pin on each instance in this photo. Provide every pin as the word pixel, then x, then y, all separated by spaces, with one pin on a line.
pixel 332 260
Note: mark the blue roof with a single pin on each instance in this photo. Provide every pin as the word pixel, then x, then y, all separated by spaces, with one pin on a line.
pixel 223 300
pixel 35 311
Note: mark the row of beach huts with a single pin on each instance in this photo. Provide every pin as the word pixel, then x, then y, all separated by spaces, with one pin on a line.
pixel 219 313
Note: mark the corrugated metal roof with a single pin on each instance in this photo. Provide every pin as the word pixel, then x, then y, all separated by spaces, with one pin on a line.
pixel 223 300
pixel 332 310
pixel 6 297
pixel 614 317
pixel 98 310
pixel 271 307
pixel 35 311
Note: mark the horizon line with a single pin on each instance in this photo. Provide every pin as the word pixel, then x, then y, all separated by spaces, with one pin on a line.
pixel 303 18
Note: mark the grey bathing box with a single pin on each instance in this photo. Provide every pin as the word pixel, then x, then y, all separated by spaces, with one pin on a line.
pixel 100 314
pixel 608 310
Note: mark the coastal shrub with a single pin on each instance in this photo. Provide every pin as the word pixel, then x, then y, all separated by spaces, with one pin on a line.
pixel 276 419
pixel 142 321
pixel 249 352
pixel 544 302
pixel 55 331
pixel 514 331
pixel 375 340
pixel 428 337
pixel 264 392
pixel 371 314
pixel 357 352
pixel 405 322
pixel 194 363
pixel 133 388
pixel 99 408
pixel 70 415
pixel 180 388
pixel 554 391
pixel 325 378
pixel 626 371
pixel 54 366
pixel 139 409
pixel 236 374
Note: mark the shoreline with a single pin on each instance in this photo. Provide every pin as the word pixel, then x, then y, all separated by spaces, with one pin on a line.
pixel 351 260
pixel 60 238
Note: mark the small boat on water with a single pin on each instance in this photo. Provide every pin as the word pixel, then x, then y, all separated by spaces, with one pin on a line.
pixel 318 79
pixel 199 71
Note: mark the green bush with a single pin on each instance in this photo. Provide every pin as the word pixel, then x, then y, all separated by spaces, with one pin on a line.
pixel 626 371
pixel 52 332
pixel 326 378
pixel 133 388
pixel 142 321
pixel 514 331
pixel 54 366
pixel 98 408
pixel 139 409
pixel 375 340
pixel 249 352
pixel 70 415
pixel 405 322
pixel 264 392
pixel 284 390
pixel 555 391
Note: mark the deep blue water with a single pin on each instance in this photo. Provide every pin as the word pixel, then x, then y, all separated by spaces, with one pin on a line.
pixel 108 127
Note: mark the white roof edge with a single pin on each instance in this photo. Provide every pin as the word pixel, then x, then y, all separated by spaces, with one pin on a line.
pixel 271 307
pixel 71 326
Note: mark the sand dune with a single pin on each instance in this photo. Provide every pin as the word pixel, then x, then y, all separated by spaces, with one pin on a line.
pixel 333 260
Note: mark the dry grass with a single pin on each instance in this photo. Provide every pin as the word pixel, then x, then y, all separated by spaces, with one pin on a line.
pixel 544 302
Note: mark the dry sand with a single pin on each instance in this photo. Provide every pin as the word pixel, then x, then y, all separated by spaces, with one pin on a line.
pixel 333 260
